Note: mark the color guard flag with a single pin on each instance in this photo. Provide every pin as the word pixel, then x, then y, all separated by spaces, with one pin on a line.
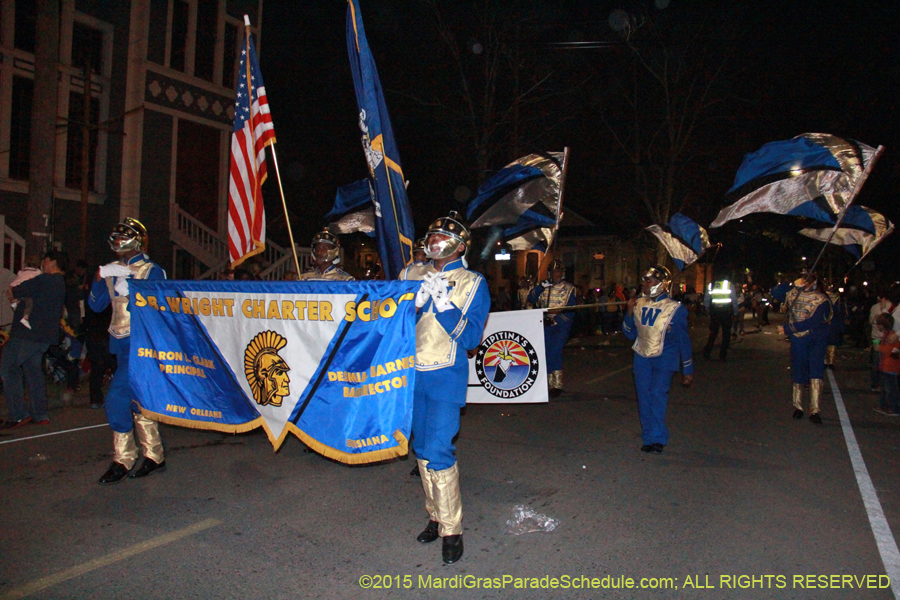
pixel 516 188
pixel 253 131
pixel 394 225
pixel 861 230
pixel 331 362
pixel 683 238
pixel 812 175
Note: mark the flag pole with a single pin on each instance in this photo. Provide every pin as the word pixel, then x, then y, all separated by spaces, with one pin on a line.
pixel 287 219
pixel 856 188
pixel 562 186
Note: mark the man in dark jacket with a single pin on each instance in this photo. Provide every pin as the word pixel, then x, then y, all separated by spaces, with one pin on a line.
pixel 25 349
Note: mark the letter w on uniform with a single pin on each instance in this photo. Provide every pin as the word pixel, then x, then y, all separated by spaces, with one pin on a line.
pixel 649 315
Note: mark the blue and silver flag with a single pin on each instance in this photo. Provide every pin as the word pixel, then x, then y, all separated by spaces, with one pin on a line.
pixel 353 209
pixel 812 175
pixel 394 225
pixel 861 230
pixel 516 188
pixel 683 238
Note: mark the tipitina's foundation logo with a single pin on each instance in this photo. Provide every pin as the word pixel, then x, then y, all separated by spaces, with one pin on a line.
pixel 266 371
pixel 506 364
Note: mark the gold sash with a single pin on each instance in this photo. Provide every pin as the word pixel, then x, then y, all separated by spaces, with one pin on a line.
pixel 120 325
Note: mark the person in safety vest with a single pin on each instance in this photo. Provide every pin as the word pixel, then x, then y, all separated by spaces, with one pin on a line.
pixel 662 346
pixel 721 304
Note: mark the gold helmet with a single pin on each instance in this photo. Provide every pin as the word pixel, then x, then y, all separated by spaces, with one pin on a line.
pixel 557 265
pixel 662 275
pixel 419 245
pixel 452 226
pixel 326 237
pixel 128 235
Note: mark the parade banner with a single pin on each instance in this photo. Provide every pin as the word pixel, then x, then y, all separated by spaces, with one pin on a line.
pixel 509 366
pixel 331 362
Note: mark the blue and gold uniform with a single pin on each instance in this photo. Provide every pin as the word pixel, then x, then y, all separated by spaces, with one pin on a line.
pixel 557 326
pixel 453 305
pixel 332 273
pixel 123 415
pixel 662 346
pixel 809 312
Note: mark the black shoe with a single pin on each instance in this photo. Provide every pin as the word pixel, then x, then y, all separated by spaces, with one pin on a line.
pixel 429 534
pixel 452 549
pixel 815 418
pixel 148 467
pixel 415 471
pixel 657 449
pixel 798 414
pixel 647 448
pixel 114 474
pixel 96 405
pixel 555 392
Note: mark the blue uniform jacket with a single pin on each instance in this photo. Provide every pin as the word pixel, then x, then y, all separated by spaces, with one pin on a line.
pixel 677 354
pixel 466 330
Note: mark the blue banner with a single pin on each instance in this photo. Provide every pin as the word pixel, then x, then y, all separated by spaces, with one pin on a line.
pixel 331 362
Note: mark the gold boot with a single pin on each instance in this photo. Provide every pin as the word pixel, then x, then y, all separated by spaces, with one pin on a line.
pixel 448 504
pixel 125 451
pixel 430 533
pixel 815 391
pixel 797 397
pixel 447 500
pixel 147 433
pixel 554 380
pixel 829 357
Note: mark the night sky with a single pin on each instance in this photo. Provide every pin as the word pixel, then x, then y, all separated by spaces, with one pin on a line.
pixel 785 69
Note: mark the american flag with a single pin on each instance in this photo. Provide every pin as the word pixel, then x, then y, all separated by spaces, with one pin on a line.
pixel 253 129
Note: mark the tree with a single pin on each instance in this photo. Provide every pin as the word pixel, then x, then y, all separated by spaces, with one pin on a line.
pixel 667 108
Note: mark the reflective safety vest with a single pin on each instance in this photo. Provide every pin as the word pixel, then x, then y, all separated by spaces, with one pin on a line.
pixel 720 292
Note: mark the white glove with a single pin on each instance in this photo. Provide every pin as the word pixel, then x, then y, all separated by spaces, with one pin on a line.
pixel 441 295
pixel 115 270
pixel 121 286
pixel 546 283
pixel 423 294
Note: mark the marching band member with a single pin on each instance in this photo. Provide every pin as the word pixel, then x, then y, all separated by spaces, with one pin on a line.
pixel 453 304
pixel 809 313
pixel 555 292
pixel 326 254
pixel 128 240
pixel 662 346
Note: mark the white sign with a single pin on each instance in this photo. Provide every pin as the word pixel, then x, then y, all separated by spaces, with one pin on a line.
pixel 510 365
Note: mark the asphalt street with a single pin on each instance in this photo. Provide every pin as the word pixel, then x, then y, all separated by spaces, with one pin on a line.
pixel 745 502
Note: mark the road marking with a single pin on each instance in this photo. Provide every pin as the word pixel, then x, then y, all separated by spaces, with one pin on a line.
pixel 887 545
pixel 607 375
pixel 34 437
pixel 103 561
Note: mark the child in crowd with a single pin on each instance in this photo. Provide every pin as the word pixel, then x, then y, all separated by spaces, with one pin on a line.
pixel 30 271
pixel 889 348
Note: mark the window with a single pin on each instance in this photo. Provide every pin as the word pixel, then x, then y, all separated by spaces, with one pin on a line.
pixel 75 141
pixel 87 48
pixel 156 44
pixel 20 128
pixel 229 62
pixel 26 16
pixel 196 172
pixel 204 59
pixel 180 17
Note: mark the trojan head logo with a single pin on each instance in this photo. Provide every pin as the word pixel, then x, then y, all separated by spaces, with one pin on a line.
pixel 506 364
pixel 266 371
